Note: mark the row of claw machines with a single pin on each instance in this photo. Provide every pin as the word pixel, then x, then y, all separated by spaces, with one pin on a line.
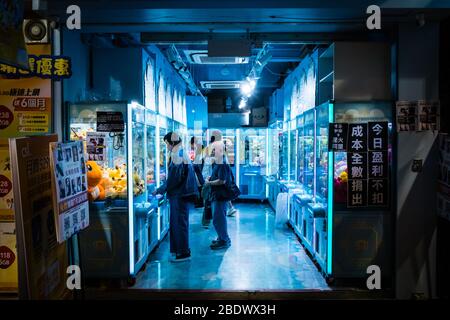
pixel 343 241
pixel 247 152
pixel 127 160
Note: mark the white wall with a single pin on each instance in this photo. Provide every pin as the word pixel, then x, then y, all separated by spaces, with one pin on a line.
pixel 418 76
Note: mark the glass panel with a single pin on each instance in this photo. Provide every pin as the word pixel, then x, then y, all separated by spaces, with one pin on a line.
pixel 83 119
pixel 293 151
pixel 308 155
pixel 151 152
pixel 163 155
pixel 284 155
pixel 322 151
pixel 252 159
pixel 138 154
pixel 357 112
pixel 301 149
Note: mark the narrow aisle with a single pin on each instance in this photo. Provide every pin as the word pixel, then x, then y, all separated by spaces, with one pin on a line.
pixel 260 258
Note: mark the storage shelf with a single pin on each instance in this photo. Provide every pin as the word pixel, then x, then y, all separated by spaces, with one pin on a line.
pixel 328 78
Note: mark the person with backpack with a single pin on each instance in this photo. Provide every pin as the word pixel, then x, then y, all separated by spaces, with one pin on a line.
pixel 223 190
pixel 180 184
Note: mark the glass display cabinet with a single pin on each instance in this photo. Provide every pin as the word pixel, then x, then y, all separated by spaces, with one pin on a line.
pixel 318 210
pixel 329 219
pixel 116 243
pixel 229 137
pixel 284 158
pixel 308 155
pixel 151 178
pixel 252 162
pixel 292 150
pixel 161 173
pixel 275 132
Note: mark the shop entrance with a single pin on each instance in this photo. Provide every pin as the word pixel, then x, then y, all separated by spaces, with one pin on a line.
pixel 273 97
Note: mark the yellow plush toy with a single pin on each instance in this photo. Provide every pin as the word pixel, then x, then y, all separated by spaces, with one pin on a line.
pixel 117 181
pixel 138 184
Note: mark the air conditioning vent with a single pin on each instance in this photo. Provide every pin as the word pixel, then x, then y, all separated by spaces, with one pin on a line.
pixel 220 84
pixel 201 57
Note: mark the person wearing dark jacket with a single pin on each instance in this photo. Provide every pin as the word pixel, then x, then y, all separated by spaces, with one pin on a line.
pixel 221 175
pixel 174 187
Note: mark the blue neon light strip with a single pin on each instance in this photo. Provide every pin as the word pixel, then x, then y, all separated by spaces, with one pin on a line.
pixel 330 199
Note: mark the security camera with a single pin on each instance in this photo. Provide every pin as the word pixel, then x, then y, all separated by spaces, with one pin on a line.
pixel 36 31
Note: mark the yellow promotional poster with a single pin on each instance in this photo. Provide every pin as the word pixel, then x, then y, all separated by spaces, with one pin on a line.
pixel 8 250
pixel 25 103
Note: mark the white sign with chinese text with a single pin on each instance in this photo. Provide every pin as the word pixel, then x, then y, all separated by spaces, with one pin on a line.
pixel 69 183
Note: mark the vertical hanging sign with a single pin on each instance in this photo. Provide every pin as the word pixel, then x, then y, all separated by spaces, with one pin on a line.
pixel 378 164
pixel 357 165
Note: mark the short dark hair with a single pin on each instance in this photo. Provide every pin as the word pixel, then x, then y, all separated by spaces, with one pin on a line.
pixel 168 138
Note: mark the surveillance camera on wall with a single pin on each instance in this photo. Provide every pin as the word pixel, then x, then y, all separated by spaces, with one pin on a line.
pixel 36 31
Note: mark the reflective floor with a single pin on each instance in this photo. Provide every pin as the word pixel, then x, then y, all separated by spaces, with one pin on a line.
pixel 261 257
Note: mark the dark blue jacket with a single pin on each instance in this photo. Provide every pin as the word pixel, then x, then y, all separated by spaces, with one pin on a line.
pixel 174 185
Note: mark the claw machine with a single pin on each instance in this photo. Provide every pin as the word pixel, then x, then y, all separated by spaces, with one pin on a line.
pixel 229 137
pixel 152 176
pixel 347 238
pixel 116 243
pixel 252 152
pixel 306 149
pixel 275 132
pixel 161 173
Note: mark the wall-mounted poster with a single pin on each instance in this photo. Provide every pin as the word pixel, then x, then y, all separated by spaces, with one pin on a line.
pixel 8 249
pixel 428 115
pixel 25 104
pixel 69 183
pixel 406 112
pixel 42 261
pixel 96 146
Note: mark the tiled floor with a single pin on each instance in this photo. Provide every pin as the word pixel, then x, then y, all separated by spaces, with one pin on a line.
pixel 260 258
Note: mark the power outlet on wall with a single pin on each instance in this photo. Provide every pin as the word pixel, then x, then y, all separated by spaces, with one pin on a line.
pixel 417 165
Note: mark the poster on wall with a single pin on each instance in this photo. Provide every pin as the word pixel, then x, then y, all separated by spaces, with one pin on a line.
pixel 428 115
pixel 69 184
pixel 25 104
pixel 8 250
pixel 337 137
pixel 12 43
pixel 42 270
pixel 406 114
pixel 96 146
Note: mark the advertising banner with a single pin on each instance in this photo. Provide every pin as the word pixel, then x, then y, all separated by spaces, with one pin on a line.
pixel 42 261
pixel 8 250
pixel 69 183
pixel 96 146
pixel 25 104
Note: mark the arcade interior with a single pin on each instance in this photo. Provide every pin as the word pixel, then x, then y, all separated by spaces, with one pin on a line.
pixel 335 176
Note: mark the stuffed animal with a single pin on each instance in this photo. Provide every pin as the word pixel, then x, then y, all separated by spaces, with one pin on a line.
pixel 138 184
pixel 117 181
pixel 96 188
